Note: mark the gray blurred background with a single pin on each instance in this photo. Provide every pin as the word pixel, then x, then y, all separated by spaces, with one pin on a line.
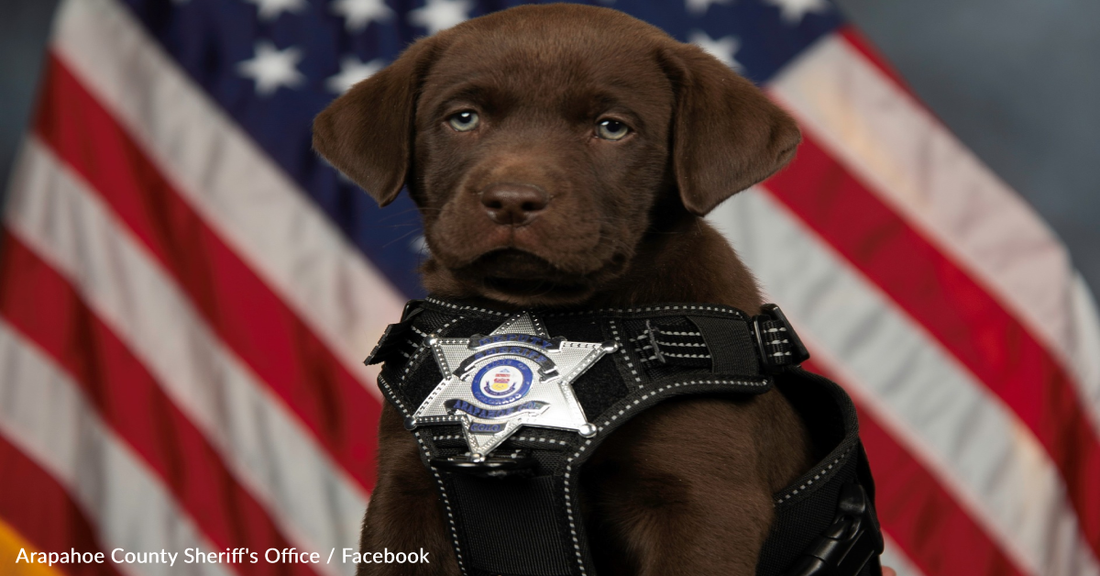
pixel 1017 80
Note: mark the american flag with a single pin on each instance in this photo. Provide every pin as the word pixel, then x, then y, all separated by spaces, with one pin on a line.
pixel 187 291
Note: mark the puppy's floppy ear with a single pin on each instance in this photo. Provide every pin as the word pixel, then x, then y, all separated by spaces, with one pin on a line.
pixel 367 132
pixel 726 135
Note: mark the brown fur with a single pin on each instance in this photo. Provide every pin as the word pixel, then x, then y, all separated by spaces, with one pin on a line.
pixel 617 223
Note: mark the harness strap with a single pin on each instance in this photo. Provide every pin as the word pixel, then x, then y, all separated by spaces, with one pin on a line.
pixel 825 522
pixel 514 510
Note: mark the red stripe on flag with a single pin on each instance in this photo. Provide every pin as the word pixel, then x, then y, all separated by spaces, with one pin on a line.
pixel 36 505
pixel 45 308
pixel 248 316
pixel 922 517
pixel 970 323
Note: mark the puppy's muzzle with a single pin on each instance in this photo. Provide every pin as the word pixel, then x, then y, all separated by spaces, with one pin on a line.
pixel 513 204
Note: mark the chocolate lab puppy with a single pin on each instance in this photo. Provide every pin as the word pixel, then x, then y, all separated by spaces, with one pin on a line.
pixel 563 155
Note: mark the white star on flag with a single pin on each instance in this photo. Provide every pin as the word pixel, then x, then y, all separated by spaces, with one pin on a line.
pixel 441 14
pixel 723 48
pixel 700 7
pixel 272 68
pixel 792 11
pixel 358 13
pixel 271 9
pixel 353 70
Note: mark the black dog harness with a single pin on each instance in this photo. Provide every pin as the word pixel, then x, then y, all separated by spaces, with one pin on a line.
pixel 506 407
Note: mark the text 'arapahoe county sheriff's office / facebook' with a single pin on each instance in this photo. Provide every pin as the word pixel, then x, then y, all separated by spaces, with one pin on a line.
pixel 229 556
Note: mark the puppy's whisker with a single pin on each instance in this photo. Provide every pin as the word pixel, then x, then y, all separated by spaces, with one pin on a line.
pixel 413 210
pixel 399 238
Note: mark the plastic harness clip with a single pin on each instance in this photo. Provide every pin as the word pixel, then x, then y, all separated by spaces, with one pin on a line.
pixel 778 343
pixel 845 547
pixel 395 335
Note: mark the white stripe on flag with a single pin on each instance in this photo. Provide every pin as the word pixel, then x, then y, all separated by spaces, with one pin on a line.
pixel 1085 347
pixel 967 437
pixel 876 129
pixel 311 499
pixel 45 415
pixel 240 192
pixel 894 557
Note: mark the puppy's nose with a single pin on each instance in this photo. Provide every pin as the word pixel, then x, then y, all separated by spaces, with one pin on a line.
pixel 513 204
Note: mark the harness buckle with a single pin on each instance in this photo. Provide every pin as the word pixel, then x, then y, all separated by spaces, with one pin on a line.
pixel 845 547
pixel 778 343
pixel 650 334
pixel 395 335
pixel 519 465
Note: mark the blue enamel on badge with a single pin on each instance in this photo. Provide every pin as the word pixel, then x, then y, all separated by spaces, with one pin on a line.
pixel 502 381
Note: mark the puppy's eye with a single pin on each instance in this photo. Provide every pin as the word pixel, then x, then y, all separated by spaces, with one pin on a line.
pixel 611 130
pixel 464 121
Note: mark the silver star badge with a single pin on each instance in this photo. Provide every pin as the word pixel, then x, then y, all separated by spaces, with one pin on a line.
pixel 516 376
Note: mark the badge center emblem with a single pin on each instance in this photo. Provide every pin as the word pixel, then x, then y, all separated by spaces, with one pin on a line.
pixel 516 376
pixel 502 381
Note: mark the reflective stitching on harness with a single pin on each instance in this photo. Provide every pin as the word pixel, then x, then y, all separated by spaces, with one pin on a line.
pixel 446 504
pixel 569 505
pixel 622 349
pixel 824 472
pixel 457 307
pixel 539 439
pixel 682 344
pixel 674 355
pixel 666 333
pixel 419 350
pixel 396 400
pixel 670 308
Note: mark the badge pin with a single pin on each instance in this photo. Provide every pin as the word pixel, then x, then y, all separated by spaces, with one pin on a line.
pixel 516 376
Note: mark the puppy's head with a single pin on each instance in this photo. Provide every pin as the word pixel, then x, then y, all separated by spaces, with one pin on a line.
pixel 541 142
